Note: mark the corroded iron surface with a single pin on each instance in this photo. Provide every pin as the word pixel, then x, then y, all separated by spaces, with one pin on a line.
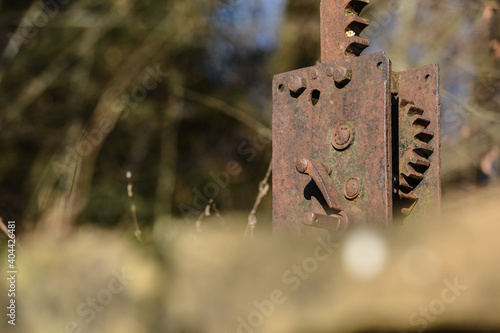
pixel 418 172
pixel 354 142
pixel 304 123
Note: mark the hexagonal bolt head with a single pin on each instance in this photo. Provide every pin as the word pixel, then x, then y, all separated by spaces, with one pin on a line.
pixel 352 188
pixel 297 83
pixel 342 74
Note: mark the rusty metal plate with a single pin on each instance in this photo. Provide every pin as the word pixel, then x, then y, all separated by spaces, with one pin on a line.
pixel 418 173
pixel 339 114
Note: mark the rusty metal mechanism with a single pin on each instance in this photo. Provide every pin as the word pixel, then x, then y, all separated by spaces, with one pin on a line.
pixel 354 142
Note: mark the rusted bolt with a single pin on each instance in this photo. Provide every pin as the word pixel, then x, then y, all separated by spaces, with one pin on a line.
pixel 302 165
pixel 297 83
pixel 329 71
pixel 342 136
pixel 352 189
pixel 314 74
pixel 342 74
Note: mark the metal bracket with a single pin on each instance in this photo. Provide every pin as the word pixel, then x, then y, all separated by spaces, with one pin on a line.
pixel 367 137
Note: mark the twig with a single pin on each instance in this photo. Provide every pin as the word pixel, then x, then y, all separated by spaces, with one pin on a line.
pixel 263 189
pixel 206 212
pixel 216 211
pixel 125 75
pixel 133 209
pixel 228 110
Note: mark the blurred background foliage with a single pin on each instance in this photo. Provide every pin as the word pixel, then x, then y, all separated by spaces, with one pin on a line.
pixel 174 90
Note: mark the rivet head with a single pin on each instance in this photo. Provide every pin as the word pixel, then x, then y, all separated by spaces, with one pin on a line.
pixel 330 70
pixel 297 83
pixel 314 74
pixel 342 136
pixel 352 188
pixel 342 74
pixel 301 165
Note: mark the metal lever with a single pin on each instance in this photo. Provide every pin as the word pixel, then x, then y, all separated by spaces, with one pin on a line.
pixel 338 223
pixel 320 174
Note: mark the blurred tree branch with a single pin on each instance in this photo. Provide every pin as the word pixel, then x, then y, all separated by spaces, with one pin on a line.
pixel 230 111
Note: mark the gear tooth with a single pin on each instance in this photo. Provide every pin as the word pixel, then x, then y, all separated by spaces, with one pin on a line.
pixel 408 196
pixel 404 185
pixel 415 175
pixel 419 120
pixel 406 211
pixel 413 110
pixel 355 7
pixel 419 160
pixel 356 26
pixel 405 102
pixel 424 135
pixel 411 159
pixel 424 148
pixel 412 197
pixel 423 162
pixel 357 46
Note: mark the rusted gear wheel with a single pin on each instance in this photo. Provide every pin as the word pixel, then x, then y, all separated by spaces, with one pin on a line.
pixel 415 143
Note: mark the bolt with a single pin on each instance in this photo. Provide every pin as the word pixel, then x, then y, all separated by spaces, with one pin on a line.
pixel 352 189
pixel 302 165
pixel 297 83
pixel 329 71
pixel 341 136
pixel 342 74
pixel 314 74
